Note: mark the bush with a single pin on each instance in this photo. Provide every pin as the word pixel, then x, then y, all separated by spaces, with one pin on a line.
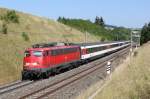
pixel 102 39
pixel 10 16
pixel 4 29
pixel 25 36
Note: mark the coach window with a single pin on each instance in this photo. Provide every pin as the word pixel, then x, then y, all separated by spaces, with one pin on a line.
pixel 103 48
pixel 64 51
pixel 114 45
pixel 58 52
pixel 96 49
pixel 88 50
pixel 53 52
pixel 67 50
pixel 74 49
pixel 61 51
pixel 71 50
pixel 49 52
pixel 100 48
pixel 92 50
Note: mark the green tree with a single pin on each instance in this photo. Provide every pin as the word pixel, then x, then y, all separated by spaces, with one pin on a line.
pixel 145 34
pixel 9 17
pixel 102 22
pixel 99 21
pixel 59 19
pixel 62 20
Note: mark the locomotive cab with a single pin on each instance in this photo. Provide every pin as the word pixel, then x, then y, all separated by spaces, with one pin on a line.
pixel 33 59
pixel 34 63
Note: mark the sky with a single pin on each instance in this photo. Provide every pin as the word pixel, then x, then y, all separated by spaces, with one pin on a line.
pixel 128 13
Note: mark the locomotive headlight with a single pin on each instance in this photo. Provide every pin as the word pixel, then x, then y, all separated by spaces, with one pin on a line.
pixel 34 64
pixel 27 64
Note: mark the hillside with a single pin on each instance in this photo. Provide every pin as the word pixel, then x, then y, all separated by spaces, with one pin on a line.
pixel 38 29
pixel 130 80
pixel 107 32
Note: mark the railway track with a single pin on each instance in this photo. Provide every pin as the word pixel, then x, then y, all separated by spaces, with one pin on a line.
pixel 14 86
pixel 8 85
pixel 52 88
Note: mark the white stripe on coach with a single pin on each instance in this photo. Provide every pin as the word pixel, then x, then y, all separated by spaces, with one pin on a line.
pixel 101 52
pixel 91 46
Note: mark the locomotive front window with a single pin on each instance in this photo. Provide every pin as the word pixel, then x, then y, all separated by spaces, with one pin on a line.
pixel 37 53
pixel 27 53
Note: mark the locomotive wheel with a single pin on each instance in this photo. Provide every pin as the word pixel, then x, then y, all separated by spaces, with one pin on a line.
pixel 25 76
pixel 45 75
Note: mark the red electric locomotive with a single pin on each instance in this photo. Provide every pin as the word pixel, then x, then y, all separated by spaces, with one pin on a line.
pixel 42 61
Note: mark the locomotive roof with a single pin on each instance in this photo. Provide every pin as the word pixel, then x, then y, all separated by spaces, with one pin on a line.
pixel 52 48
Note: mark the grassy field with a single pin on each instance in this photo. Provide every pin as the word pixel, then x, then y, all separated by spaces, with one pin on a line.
pixel 131 80
pixel 39 30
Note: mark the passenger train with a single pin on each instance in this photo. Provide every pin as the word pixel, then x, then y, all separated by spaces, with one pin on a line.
pixel 42 60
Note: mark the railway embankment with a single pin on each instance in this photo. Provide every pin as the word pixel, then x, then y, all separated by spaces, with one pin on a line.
pixel 130 80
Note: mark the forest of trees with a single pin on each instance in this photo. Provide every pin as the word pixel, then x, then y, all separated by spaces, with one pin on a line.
pixel 145 33
pixel 97 28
